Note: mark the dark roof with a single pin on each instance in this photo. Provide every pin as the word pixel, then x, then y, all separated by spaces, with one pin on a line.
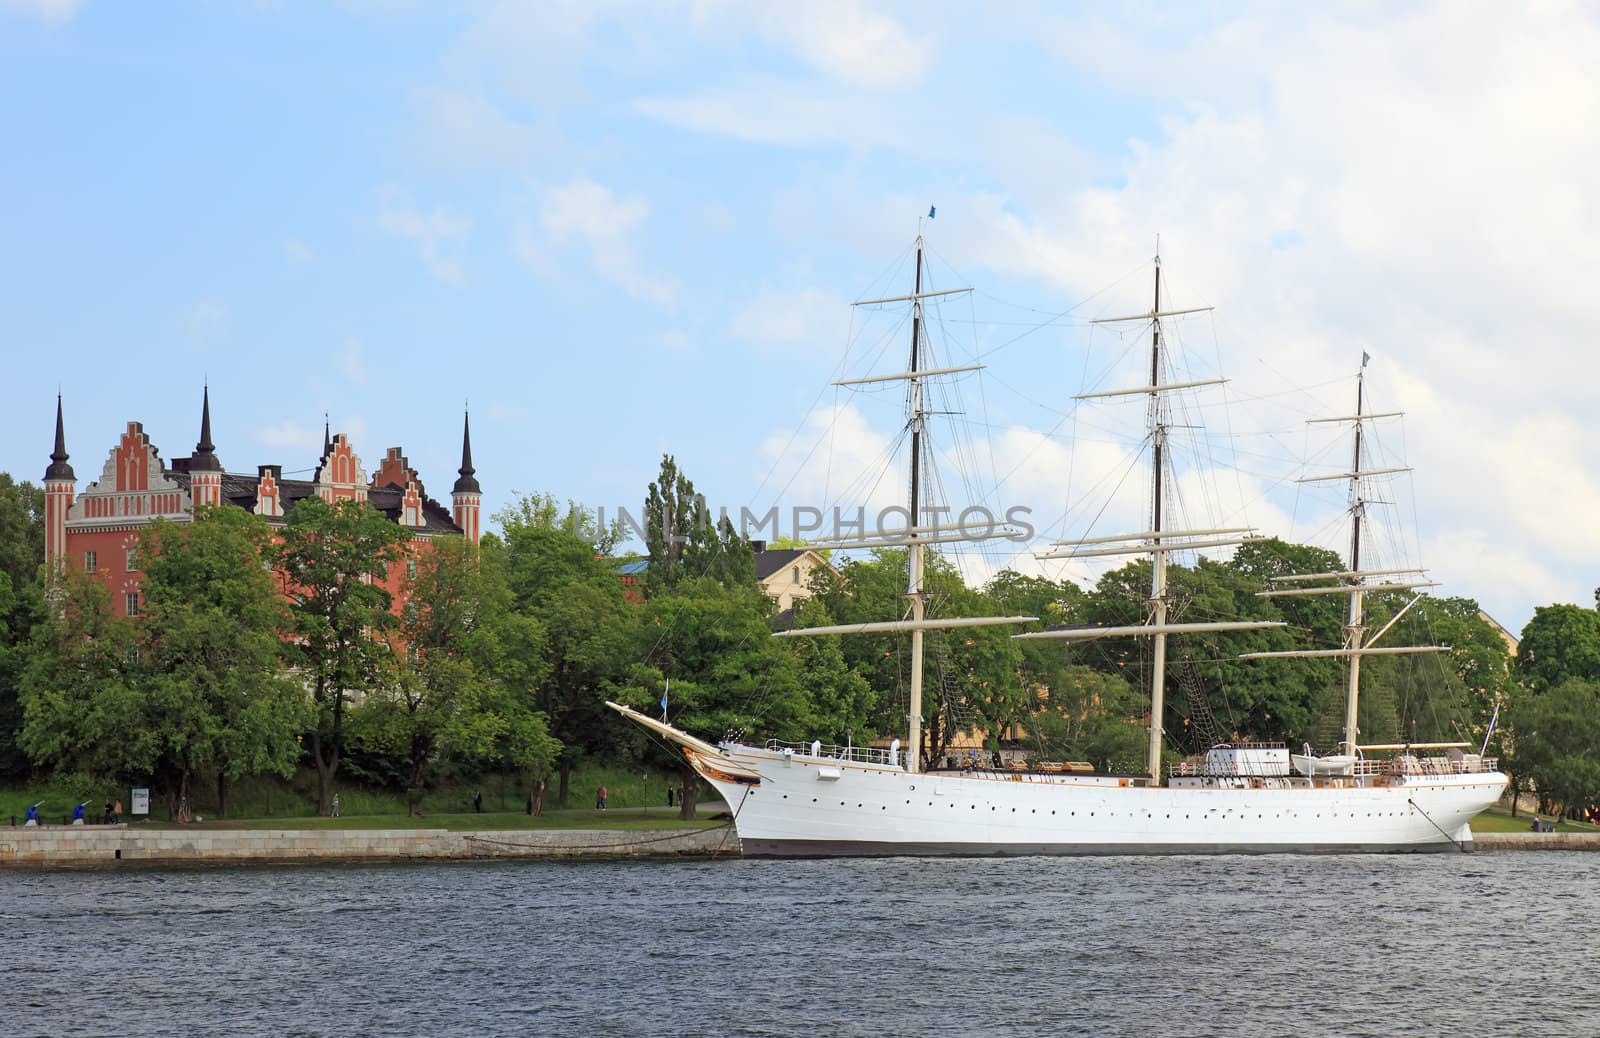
pixel 241 490
pixel 59 469
pixel 773 559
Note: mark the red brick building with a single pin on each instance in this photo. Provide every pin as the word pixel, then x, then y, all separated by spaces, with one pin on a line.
pixel 98 529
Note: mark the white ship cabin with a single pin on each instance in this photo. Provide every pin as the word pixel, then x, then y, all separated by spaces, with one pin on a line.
pixel 1239 765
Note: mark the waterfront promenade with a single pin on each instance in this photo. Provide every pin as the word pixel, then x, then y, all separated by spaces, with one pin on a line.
pixel 117 845
pixel 114 846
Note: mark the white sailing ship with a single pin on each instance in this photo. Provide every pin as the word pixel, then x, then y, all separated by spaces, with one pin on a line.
pixel 811 800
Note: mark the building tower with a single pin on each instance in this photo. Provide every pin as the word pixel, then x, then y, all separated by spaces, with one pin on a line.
pixel 60 484
pixel 205 471
pixel 466 496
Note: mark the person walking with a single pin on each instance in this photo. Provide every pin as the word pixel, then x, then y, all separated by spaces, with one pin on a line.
pixel 477 801
pixel 333 808
pixel 116 811
pixel 600 798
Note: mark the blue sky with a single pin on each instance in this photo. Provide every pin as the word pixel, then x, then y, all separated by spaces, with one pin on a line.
pixel 623 229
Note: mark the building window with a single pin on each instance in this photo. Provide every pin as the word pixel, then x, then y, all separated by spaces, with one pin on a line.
pixel 411 569
pixel 794 575
pixel 90 559
pixel 133 560
pixel 411 610
pixel 130 604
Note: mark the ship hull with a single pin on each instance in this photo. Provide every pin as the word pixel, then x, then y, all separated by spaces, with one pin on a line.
pixel 817 807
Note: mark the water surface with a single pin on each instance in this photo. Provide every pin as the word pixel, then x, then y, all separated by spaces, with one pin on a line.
pixel 1486 944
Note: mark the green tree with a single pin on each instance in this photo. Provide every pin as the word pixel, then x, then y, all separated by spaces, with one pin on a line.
pixel 211 654
pixel 678 529
pixel 1093 717
pixel 81 696
pixel 335 558
pixel 1560 642
pixel 1556 735
pixel 21 531
pixel 573 635
pixel 543 512
pixel 445 698
pixel 194 682
pixel 21 606
pixel 727 672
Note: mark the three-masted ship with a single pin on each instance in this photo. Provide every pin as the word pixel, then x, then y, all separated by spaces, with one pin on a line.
pixel 811 799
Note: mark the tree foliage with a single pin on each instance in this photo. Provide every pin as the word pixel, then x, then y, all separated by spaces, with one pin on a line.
pixel 194 682
pixel 335 559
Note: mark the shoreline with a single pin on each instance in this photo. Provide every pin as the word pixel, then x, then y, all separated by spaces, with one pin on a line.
pixel 69 847
pixel 101 847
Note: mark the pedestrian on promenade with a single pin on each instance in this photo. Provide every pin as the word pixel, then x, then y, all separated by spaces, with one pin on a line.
pixel 77 813
pixel 31 815
pixel 669 796
pixel 477 801
pixel 105 819
pixel 600 798
pixel 116 811
pixel 333 809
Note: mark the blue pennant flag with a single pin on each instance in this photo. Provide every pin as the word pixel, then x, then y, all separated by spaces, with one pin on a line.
pixel 931 210
pixel 667 688
pixel 1365 356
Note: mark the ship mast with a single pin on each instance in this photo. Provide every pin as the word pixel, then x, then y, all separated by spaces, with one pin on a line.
pixel 1157 542
pixel 915 559
pixel 1353 629
pixel 915 536
pixel 1158 568
pixel 1352 582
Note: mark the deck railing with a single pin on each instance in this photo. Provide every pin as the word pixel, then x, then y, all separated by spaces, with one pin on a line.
pixel 854 754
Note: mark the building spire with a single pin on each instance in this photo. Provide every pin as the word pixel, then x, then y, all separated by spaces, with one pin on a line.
pixel 59 469
pixel 204 460
pixel 467 484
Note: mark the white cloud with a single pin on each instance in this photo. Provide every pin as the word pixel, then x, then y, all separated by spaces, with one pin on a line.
pixel 603 226
pixel 55 12
pixel 440 235
pixel 1340 185
pixel 847 41
pixel 806 320
pixel 461 129
pixel 351 360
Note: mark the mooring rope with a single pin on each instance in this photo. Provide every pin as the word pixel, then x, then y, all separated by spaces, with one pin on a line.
pixel 1459 845
pixel 601 846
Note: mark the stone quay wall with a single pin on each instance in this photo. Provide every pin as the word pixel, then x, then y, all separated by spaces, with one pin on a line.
pixel 1532 841
pixel 117 845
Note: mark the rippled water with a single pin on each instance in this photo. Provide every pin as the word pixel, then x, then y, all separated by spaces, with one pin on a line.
pixel 1487 944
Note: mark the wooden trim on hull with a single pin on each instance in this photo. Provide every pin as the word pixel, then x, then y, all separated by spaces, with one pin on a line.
pixel 757 848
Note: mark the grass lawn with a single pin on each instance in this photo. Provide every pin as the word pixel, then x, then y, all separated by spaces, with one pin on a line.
pixel 1499 820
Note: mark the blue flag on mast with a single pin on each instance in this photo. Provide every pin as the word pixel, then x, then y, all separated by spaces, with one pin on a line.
pixel 1365 356
pixel 665 689
pixel 931 210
